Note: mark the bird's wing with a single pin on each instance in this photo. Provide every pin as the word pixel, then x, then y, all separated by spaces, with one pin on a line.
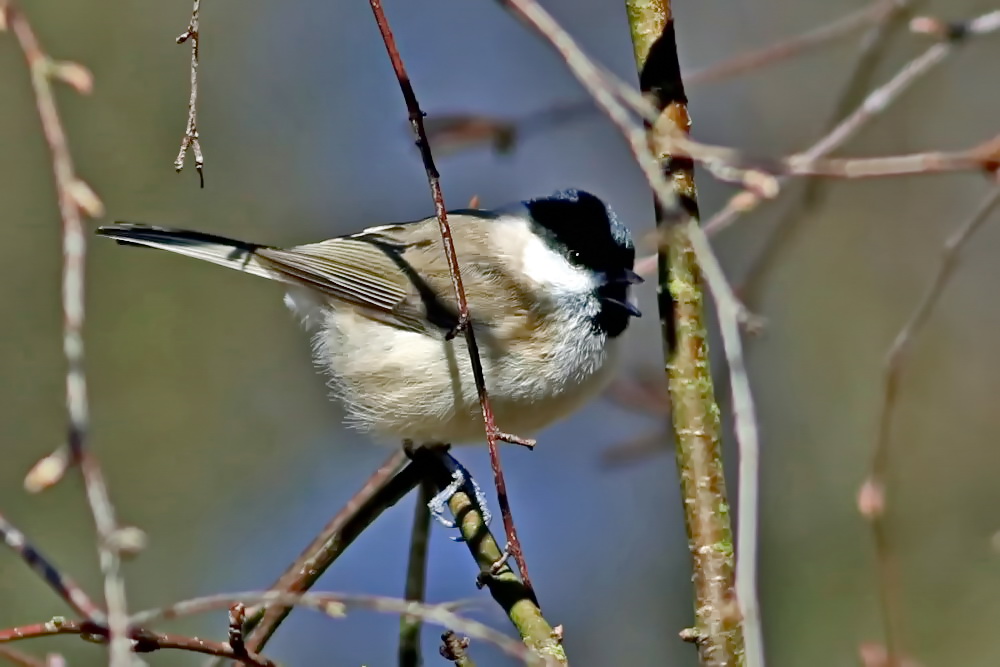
pixel 397 274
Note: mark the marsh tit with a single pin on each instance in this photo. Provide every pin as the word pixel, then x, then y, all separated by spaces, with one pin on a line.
pixel 547 282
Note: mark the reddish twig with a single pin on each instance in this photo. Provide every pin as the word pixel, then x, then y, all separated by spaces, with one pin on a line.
pixel 191 139
pixel 62 584
pixel 75 197
pixel 493 434
pixel 380 492
pixel 237 616
pixel 872 497
pixel 139 640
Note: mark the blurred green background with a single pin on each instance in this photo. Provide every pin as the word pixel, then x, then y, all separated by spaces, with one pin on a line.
pixel 216 434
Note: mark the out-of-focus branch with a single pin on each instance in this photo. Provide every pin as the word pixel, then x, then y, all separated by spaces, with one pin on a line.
pixel 62 584
pixel 516 599
pixel 139 640
pixel 872 498
pixel 380 492
pixel 718 632
pixel 416 578
pixel 335 605
pixel 191 139
pixel 75 199
pixel 16 657
pixel 877 11
pixel 493 433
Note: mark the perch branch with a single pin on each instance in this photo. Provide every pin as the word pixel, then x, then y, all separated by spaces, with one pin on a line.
pixel 516 599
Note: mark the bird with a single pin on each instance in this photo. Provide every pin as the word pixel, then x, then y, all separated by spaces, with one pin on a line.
pixel 547 282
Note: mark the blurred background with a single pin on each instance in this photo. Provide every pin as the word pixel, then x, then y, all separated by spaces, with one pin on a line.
pixel 216 434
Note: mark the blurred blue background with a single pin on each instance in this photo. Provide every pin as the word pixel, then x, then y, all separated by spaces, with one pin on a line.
pixel 216 434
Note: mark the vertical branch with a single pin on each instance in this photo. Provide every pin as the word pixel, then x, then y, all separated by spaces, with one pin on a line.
pixel 872 498
pixel 191 140
pixel 493 434
pixel 695 413
pixel 75 198
pixel 416 578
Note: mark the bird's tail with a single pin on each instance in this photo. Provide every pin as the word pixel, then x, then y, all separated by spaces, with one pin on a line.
pixel 220 250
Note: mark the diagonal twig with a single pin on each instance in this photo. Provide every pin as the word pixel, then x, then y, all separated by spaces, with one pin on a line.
pixel 493 433
pixel 381 491
pixel 516 599
pixel 63 585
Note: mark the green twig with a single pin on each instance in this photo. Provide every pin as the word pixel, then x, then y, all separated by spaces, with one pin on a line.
pixel 416 578
pixel 696 423
pixel 494 573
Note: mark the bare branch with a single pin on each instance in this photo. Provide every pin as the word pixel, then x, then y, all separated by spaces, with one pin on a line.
pixel 872 498
pixel 75 198
pixel 192 139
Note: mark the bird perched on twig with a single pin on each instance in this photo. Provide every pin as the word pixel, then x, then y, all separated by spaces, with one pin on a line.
pixel 547 282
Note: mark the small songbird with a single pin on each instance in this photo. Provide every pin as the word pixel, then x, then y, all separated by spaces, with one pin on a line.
pixel 547 282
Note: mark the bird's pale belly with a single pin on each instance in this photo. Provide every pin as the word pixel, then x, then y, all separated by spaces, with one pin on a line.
pixel 399 384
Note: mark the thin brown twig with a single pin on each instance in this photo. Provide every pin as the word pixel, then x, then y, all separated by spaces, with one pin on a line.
pixel 797 45
pixel 237 617
pixel 138 640
pixel 416 577
pixel 493 433
pixel 382 490
pixel 62 584
pixel 75 197
pixel 873 496
pixel 336 605
pixel 191 139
